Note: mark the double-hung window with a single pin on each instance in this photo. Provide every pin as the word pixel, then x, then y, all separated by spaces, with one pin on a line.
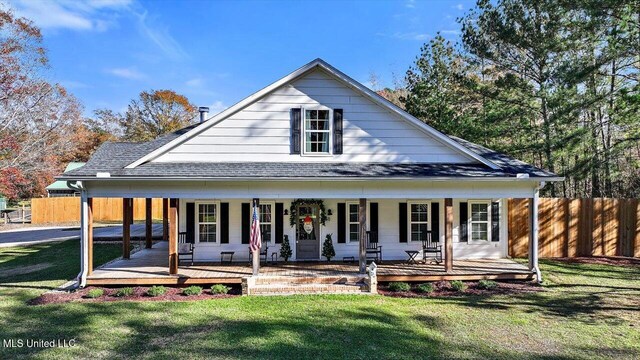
pixel 353 221
pixel 317 131
pixel 479 221
pixel 207 223
pixel 419 221
pixel 266 221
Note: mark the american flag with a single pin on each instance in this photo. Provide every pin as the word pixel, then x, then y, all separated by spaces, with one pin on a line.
pixel 256 236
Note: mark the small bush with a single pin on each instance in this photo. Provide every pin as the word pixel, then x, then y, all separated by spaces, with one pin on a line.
pixel 425 288
pixel 219 289
pixel 192 290
pixel 487 284
pixel 458 285
pixel 156 291
pixel 94 293
pixel 399 287
pixel 125 291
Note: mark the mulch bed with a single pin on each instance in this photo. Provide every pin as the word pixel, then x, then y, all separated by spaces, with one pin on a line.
pixel 443 289
pixel 139 294
pixel 601 260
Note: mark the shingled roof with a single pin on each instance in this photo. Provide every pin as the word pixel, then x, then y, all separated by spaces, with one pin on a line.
pixel 113 157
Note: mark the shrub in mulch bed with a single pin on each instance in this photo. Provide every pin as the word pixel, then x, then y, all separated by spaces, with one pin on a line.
pixel 446 288
pixel 139 293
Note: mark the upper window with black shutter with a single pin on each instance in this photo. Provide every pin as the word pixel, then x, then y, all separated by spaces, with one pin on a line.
pixel 317 127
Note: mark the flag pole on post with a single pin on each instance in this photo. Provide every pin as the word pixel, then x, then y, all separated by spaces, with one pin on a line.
pixel 256 238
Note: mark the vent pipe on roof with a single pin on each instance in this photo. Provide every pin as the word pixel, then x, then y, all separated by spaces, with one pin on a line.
pixel 203 113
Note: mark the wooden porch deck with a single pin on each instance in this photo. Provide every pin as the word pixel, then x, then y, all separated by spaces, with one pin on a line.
pixel 151 267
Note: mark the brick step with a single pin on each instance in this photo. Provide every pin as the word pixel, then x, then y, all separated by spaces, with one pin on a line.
pixel 284 280
pixel 294 289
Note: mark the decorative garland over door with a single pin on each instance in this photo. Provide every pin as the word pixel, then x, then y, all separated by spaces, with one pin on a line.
pixel 293 209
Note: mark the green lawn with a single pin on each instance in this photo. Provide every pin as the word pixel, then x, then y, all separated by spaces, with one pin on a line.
pixel 586 311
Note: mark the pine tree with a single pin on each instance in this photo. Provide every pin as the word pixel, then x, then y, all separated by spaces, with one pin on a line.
pixel 285 249
pixel 327 248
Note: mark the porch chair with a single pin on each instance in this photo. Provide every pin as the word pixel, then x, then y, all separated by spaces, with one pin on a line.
pixel 373 250
pixel 431 247
pixel 264 250
pixel 185 247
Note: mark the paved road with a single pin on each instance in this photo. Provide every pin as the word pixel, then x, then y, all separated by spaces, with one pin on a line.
pixel 30 236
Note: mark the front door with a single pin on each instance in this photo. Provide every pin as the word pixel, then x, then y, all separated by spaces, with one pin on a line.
pixel 307 233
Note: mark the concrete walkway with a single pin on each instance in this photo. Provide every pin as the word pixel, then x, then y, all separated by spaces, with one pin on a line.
pixel 30 236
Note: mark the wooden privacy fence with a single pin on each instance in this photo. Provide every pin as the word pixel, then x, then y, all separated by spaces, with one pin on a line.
pixel 577 227
pixel 67 209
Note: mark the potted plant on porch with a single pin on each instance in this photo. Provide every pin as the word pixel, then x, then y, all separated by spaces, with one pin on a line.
pixel 285 249
pixel 327 248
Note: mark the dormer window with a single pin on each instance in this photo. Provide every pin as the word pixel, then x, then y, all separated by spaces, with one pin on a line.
pixel 317 131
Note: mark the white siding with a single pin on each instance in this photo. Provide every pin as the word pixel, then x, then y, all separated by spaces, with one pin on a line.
pixel 261 131
pixel 388 228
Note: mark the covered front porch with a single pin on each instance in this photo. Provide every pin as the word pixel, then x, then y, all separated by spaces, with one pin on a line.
pixel 151 267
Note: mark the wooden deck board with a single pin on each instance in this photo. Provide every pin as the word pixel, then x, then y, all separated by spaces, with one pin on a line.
pixel 151 266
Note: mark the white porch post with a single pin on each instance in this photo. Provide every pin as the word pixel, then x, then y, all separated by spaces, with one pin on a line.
pixel 533 234
pixel 84 239
pixel 255 260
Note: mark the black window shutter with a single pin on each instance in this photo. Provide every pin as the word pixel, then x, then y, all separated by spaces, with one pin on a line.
pixel 495 221
pixel 191 222
pixel 296 130
pixel 464 217
pixel 337 131
pixel 342 223
pixel 402 222
pixel 279 222
pixel 373 214
pixel 246 216
pixel 224 223
pixel 435 221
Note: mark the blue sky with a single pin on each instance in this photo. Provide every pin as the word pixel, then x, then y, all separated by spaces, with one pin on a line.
pixel 217 52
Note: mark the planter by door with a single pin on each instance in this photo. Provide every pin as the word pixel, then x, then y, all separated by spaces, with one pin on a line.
pixel 307 233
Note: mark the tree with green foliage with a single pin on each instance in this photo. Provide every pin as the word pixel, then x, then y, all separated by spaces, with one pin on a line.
pixel 285 249
pixel 327 248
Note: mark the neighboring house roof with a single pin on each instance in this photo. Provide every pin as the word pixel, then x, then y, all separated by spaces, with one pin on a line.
pixel 62 185
pixel 339 75
pixel 114 157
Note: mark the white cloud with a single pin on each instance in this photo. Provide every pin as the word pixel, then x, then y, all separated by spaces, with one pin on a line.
pixel 450 32
pixel 460 7
pixel 127 73
pixel 160 37
pixel 410 4
pixel 217 107
pixel 406 35
pixel 195 82
pixel 68 14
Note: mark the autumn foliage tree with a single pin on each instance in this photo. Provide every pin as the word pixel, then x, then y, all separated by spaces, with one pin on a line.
pixel 36 117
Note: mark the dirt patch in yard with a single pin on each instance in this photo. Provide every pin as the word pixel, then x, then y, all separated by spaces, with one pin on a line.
pixel 139 294
pixel 601 260
pixel 444 289
pixel 23 270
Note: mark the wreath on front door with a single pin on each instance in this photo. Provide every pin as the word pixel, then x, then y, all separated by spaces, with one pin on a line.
pixel 293 210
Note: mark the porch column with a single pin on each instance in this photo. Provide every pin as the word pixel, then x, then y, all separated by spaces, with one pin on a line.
pixel 173 236
pixel 165 219
pixel 533 233
pixel 126 227
pixel 448 234
pixel 362 219
pixel 255 260
pixel 148 223
pixel 84 239
pixel 90 236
